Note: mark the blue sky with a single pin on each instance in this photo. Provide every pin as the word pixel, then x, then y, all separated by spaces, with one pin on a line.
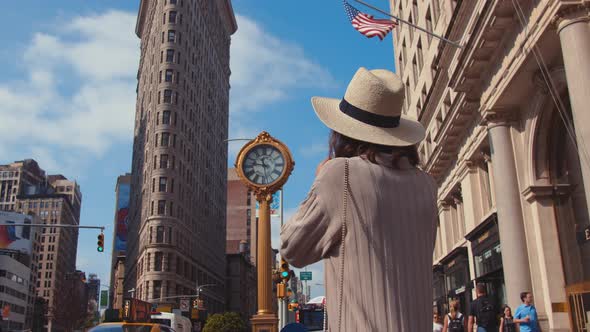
pixel 67 93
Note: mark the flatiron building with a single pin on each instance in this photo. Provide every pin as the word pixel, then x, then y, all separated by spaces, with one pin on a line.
pixel 177 233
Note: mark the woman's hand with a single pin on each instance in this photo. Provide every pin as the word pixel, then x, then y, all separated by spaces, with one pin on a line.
pixel 317 171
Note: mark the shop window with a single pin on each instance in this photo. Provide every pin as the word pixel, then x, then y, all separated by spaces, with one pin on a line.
pixel 489 260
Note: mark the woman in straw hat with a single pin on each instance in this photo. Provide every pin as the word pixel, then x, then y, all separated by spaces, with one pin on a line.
pixel 371 212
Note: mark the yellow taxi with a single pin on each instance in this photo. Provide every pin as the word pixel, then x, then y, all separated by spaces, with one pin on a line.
pixel 131 327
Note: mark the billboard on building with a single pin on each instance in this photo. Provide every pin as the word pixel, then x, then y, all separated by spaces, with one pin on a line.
pixel 121 218
pixel 12 237
pixel 275 205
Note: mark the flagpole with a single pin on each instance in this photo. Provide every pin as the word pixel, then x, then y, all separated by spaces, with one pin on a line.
pixel 411 24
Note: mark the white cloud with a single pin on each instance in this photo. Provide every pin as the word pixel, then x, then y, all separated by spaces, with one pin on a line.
pixel 266 69
pixel 78 97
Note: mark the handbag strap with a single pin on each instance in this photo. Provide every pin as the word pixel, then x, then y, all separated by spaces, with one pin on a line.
pixel 343 236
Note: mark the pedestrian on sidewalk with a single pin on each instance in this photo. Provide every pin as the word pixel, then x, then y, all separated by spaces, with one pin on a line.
pixel 507 323
pixel 526 314
pixel 482 312
pixel 436 323
pixel 371 212
pixel 454 320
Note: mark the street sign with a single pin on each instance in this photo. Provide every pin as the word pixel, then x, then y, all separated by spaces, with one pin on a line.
pixel 305 275
pixel 184 305
pixel 104 298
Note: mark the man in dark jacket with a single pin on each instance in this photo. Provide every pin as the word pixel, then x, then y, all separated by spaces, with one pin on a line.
pixel 483 312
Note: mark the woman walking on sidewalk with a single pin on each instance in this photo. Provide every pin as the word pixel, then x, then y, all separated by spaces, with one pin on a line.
pixel 371 212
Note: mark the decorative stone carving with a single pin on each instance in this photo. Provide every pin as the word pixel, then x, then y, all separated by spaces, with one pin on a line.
pixel 499 117
pixel 536 192
pixel 572 14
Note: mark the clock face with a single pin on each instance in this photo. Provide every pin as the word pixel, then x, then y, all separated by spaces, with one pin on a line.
pixel 263 164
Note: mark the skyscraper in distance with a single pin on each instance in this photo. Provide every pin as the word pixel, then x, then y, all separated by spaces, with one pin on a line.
pixel 178 188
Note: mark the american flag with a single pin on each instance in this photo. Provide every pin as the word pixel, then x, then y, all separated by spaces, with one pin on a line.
pixel 366 24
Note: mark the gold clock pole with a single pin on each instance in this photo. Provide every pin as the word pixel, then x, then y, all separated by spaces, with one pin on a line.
pixel 258 162
pixel 264 267
pixel 265 319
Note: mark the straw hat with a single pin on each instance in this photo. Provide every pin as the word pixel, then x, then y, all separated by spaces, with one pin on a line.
pixel 371 110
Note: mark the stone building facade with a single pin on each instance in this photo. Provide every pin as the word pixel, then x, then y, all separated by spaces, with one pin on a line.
pixel 241 217
pixel 55 200
pixel 178 187
pixel 507 141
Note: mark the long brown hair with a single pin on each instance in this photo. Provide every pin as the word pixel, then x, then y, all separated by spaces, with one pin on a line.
pixel 344 146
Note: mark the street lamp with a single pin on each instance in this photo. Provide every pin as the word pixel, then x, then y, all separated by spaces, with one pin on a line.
pixel 200 288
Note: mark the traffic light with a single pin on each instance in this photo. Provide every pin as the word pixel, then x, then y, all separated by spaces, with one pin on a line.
pixel 280 290
pixel 100 243
pixel 285 273
pixel 196 303
pixel 276 277
pixel 293 306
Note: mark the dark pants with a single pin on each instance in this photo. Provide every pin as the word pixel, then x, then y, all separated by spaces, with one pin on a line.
pixel 486 329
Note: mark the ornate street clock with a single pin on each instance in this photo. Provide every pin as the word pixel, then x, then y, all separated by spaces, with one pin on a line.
pixel 264 164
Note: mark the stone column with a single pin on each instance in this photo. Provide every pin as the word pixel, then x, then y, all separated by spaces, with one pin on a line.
pixel 574 33
pixel 517 276
pixel 443 210
pixel 472 199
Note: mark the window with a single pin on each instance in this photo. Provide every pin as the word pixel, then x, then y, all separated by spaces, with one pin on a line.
pixel 420 55
pixel 168 77
pixel 158 283
pixel 149 262
pixel 159 234
pixel 415 68
pixel 164 161
pixel 163 184
pixel 429 25
pixel 168 96
pixel 172 17
pixel 172 2
pixel 169 55
pixel 166 117
pixel 161 207
pixel 165 139
pixel 171 36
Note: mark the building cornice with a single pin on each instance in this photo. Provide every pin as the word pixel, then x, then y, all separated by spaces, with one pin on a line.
pixel 483 47
pixel 225 8
pixel 141 16
pixel 449 138
pixel 524 43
